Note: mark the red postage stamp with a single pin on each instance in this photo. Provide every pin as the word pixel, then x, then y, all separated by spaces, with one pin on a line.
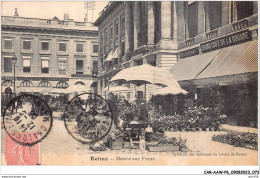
pixel 17 154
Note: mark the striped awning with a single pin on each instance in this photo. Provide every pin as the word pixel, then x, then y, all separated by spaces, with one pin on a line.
pixel 237 59
pixel 188 68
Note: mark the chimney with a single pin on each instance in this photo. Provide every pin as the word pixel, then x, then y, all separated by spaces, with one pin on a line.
pixel 16 13
pixel 66 16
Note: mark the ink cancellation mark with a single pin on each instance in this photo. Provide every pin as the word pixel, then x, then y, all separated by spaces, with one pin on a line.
pixel 88 118
pixel 27 119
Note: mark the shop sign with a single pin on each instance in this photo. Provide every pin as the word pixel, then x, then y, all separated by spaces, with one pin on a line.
pixel 188 53
pixel 226 41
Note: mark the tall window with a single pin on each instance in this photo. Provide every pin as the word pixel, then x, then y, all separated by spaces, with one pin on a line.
pixel 45 65
pixel 79 48
pixel 27 44
pixel 62 46
pixel 214 14
pixel 122 23
pixel 95 66
pixel 123 48
pixel 8 44
pixel 101 38
pixel 62 67
pixel 95 48
pixel 45 45
pixel 79 66
pixel 106 35
pixel 8 64
pixel 244 9
pixel 116 28
pixel 26 64
pixel 193 19
pixel 111 33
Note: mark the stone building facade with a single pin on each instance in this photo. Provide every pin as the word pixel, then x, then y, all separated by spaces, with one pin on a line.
pixel 205 44
pixel 51 53
pixel 135 33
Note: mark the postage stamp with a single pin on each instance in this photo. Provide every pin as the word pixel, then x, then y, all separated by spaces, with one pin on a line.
pixel 88 117
pixel 27 119
pixel 17 154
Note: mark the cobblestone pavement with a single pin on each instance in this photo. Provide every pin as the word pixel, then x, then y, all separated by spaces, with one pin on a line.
pixel 59 148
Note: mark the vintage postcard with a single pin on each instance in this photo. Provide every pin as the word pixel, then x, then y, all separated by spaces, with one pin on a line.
pixel 129 83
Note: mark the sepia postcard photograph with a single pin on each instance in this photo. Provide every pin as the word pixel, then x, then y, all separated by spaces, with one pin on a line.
pixel 136 83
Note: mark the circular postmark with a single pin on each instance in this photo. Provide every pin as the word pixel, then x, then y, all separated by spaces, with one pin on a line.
pixel 88 117
pixel 27 119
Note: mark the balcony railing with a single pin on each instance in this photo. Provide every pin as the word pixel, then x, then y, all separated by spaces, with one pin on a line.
pixel 47 23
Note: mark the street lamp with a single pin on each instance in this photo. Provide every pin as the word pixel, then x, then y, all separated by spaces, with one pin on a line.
pixel 14 58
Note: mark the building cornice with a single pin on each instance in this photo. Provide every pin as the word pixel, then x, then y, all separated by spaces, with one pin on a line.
pixel 103 14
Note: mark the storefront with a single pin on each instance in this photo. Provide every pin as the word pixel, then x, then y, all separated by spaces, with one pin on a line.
pixel 224 76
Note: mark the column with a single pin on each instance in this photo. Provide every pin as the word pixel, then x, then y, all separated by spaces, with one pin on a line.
pixel 180 20
pixel 174 25
pixel 201 17
pixel 151 20
pixel 224 13
pixel 137 22
pixel 207 25
pixel 186 18
pixel 165 20
pixel 128 31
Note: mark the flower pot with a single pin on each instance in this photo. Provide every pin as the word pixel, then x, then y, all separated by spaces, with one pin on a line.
pixel 207 129
pixel 193 129
pixel 200 129
pixel 212 129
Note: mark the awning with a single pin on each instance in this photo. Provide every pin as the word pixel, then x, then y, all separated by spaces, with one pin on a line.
pixel 188 68
pixel 237 59
pixel 115 55
pixel 109 57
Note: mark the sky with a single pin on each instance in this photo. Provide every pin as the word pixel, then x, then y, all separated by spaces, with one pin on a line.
pixel 49 9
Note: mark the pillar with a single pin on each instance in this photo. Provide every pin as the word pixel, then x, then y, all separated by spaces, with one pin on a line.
pixel 207 25
pixel 128 25
pixel 180 20
pixel 224 13
pixel 174 25
pixel 201 17
pixel 165 20
pixel 151 20
pixel 137 22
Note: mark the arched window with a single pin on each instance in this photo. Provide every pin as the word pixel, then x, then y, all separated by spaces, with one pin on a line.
pixel 26 83
pixel 79 83
pixel 62 84
pixel 8 83
pixel 44 84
